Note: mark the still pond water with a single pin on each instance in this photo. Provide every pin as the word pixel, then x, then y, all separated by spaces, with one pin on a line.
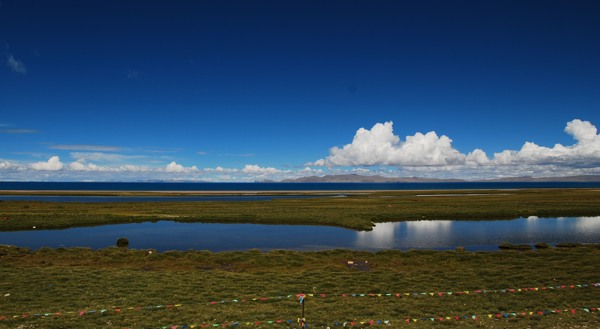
pixel 425 234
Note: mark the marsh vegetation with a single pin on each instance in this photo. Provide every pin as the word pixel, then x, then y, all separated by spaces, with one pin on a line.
pixel 546 287
pixel 355 210
pixel 117 288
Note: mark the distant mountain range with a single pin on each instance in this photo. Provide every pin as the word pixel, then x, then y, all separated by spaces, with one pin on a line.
pixel 355 178
pixel 580 178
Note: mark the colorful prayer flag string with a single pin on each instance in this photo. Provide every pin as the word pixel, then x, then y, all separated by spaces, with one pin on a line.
pixel 312 295
pixel 497 315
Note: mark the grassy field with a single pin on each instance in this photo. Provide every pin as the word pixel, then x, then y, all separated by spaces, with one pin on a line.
pixel 357 211
pixel 121 288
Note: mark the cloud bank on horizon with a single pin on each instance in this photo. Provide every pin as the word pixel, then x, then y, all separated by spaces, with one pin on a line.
pixel 379 146
pixel 375 151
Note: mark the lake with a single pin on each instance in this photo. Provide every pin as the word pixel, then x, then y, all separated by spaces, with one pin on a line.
pixel 137 198
pixel 424 234
pixel 168 235
pixel 272 186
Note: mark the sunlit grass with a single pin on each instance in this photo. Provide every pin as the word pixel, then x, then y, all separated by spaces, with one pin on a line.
pixel 358 211
pixel 50 288
pixel 261 286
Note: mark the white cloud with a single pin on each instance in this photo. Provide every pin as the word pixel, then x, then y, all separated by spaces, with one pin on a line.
pixel 585 152
pixel 377 151
pixel 309 171
pixel 174 167
pixel 81 147
pixel 424 152
pixel 255 169
pixel 82 170
pixel 53 164
pixel 218 169
pixel 582 131
pixel 379 146
pixel 477 157
pixel 114 158
pixel 16 65
pixel 81 166
pixel 133 168
pixel 9 165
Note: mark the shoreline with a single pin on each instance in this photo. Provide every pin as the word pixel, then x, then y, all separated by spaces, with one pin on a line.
pixel 187 192
pixel 273 192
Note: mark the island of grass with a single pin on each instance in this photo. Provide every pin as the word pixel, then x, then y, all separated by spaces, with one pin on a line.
pixel 358 210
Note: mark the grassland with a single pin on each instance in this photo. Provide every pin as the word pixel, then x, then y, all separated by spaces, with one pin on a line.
pixel 121 288
pixel 355 210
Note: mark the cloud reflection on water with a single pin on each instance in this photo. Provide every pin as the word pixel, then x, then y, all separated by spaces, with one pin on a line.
pixel 588 224
pixel 422 233
pixel 427 233
pixel 564 224
pixel 382 236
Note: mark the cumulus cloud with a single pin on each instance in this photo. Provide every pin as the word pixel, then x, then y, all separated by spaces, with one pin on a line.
pixel 174 167
pixel 81 166
pixel 379 146
pixel 8 165
pixel 372 151
pixel 16 65
pixel 583 131
pixel 255 169
pixel 53 164
pixel 477 157
pixel 585 152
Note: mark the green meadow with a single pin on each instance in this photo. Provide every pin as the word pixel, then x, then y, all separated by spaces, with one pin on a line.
pixel 355 210
pixel 120 288
pixel 554 287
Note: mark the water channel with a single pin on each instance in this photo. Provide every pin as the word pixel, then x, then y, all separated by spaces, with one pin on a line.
pixel 424 234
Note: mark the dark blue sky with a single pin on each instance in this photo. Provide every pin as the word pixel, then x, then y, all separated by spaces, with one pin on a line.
pixel 276 84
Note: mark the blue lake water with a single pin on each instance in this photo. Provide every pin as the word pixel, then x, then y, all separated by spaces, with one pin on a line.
pixel 136 198
pixel 168 235
pixel 162 186
pixel 425 234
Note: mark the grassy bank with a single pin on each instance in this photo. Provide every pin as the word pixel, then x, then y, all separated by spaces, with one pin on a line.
pixel 356 211
pixel 120 288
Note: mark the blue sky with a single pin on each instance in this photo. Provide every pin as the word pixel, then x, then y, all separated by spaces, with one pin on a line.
pixel 253 90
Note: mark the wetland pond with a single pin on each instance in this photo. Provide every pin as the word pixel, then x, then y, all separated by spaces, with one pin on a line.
pixel 423 234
